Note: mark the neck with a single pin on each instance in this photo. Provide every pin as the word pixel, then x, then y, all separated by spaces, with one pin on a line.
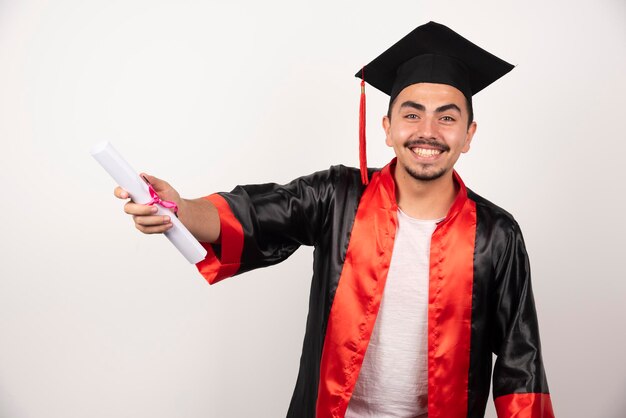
pixel 420 199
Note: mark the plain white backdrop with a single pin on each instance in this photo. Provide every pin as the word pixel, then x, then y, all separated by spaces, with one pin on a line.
pixel 98 320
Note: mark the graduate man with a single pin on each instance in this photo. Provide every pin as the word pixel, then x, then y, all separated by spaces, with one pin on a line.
pixel 417 280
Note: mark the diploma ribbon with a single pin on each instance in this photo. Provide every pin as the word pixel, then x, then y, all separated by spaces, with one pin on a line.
pixel 156 199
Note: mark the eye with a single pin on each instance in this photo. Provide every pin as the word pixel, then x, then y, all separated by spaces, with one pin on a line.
pixel 411 116
pixel 448 119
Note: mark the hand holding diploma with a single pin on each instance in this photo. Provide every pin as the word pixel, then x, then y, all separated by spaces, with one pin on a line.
pixel 145 216
pixel 156 214
pixel 199 216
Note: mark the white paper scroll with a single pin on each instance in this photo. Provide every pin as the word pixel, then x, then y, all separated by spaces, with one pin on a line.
pixel 129 180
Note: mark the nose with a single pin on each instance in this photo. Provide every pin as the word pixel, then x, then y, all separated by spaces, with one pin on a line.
pixel 427 128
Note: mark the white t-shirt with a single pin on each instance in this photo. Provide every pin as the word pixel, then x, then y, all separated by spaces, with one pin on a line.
pixel 393 381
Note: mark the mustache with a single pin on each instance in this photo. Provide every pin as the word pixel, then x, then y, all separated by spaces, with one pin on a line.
pixel 432 143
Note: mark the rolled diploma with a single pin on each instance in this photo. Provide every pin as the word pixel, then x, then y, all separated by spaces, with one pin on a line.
pixel 129 180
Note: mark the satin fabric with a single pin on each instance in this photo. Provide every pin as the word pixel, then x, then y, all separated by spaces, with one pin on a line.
pixel 502 292
pixel 229 247
pixel 480 294
pixel 524 405
pixel 450 308
pixel 361 285
pixel 358 296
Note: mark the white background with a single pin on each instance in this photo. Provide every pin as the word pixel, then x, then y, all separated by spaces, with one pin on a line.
pixel 99 320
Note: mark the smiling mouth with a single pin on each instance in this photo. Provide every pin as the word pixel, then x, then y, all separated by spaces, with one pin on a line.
pixel 429 149
pixel 426 152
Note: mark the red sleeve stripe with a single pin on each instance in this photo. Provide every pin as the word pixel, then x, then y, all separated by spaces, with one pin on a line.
pixel 231 240
pixel 524 405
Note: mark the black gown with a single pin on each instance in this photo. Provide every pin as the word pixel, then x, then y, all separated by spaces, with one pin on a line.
pixel 480 296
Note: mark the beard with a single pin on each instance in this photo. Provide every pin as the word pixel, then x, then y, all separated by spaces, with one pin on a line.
pixel 425 175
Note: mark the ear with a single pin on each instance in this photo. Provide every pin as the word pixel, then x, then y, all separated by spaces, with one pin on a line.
pixel 468 137
pixel 387 129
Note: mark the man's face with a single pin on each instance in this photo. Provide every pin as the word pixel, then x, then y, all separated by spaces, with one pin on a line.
pixel 428 129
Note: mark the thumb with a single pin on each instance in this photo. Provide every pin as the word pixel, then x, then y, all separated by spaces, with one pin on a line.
pixel 156 182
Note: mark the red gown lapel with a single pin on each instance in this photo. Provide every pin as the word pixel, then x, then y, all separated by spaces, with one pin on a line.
pixel 359 293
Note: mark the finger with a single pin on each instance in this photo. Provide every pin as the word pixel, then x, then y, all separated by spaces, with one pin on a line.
pixel 120 193
pixel 156 182
pixel 154 229
pixel 133 208
pixel 151 220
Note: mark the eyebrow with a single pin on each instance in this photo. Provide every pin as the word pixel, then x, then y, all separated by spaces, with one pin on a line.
pixel 447 107
pixel 422 108
pixel 414 105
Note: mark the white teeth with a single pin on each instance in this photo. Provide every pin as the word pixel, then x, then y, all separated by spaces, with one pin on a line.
pixel 423 152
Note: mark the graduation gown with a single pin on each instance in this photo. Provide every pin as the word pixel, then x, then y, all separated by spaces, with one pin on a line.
pixel 480 297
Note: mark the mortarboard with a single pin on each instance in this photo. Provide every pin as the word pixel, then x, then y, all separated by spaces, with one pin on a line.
pixel 431 53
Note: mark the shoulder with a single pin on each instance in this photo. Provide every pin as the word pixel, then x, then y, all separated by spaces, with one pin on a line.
pixel 345 175
pixel 322 179
pixel 336 175
pixel 492 215
pixel 347 180
pixel 337 178
pixel 498 230
pixel 337 182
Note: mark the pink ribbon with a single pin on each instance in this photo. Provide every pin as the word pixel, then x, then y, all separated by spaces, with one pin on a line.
pixel 156 199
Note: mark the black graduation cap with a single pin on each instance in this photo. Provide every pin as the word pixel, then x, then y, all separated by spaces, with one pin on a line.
pixel 434 53
pixel 431 53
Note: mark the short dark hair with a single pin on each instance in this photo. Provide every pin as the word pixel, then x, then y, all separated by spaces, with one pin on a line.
pixel 468 104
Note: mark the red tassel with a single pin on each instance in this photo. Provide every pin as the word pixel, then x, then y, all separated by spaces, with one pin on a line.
pixel 362 151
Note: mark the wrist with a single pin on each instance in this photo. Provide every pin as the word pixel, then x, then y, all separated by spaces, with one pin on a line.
pixel 183 208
